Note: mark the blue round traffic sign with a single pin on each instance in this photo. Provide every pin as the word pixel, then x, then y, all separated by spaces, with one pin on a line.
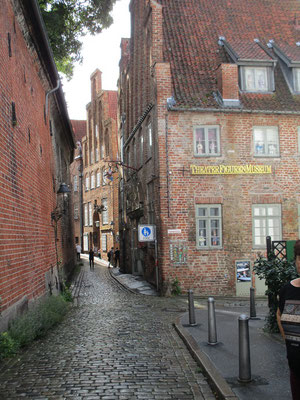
pixel 146 231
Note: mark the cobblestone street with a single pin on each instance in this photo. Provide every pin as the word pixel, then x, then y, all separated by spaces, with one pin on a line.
pixel 113 345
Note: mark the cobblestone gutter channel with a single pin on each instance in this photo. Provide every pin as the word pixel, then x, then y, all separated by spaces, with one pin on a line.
pixel 113 345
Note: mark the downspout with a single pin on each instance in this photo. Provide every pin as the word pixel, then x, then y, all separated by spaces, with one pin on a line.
pixel 167 167
pixel 47 96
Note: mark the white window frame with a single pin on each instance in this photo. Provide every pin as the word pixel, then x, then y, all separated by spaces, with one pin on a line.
pixel 103 174
pixel 76 211
pixel 269 77
pixel 86 215
pixel 87 182
pixel 263 223
pixel 200 239
pixel 98 179
pixel 296 78
pixel 141 140
pixel 104 242
pixel 90 214
pixel 96 131
pixel 96 154
pixel 259 147
pixel 150 139
pixel 92 157
pixel 104 213
pixel 75 183
pixel 207 143
pixel 92 180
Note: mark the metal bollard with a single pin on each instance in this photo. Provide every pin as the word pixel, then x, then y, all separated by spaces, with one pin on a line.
pixel 252 303
pixel 244 350
pixel 192 319
pixel 212 330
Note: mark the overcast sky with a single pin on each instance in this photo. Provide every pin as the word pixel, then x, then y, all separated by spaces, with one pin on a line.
pixel 102 52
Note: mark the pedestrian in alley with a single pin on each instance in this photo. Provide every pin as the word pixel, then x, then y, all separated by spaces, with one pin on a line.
pixel 91 258
pixel 288 318
pixel 78 251
pixel 117 258
pixel 110 256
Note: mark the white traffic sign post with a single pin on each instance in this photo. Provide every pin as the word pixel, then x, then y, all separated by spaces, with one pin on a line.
pixel 147 233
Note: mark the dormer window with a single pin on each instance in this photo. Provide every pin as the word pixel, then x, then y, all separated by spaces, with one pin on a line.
pixel 289 59
pixel 297 79
pixel 255 63
pixel 255 79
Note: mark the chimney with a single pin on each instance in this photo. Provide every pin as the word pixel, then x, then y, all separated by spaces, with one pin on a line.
pixel 228 85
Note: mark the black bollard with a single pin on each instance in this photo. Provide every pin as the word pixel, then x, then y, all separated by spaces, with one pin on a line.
pixel 244 350
pixel 192 319
pixel 252 303
pixel 212 330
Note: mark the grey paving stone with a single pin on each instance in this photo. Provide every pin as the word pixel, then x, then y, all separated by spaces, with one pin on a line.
pixel 112 345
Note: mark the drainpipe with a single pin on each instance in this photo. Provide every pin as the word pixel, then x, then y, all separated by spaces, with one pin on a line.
pixel 47 96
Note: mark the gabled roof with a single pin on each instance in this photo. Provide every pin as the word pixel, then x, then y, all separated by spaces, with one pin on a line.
pixel 243 52
pixel 290 54
pixel 192 29
pixel 79 128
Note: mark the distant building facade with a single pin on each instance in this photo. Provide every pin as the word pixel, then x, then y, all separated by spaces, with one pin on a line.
pixel 76 171
pixel 211 123
pixel 100 174
pixel 36 149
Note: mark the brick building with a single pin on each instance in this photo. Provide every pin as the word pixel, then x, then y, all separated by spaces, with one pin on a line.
pixel 76 172
pixel 100 174
pixel 36 148
pixel 211 97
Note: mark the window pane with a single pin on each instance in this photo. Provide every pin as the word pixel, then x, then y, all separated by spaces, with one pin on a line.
pixel 214 212
pixel 212 141
pixel 202 233
pixel 215 235
pixel 202 212
pixel 259 144
pixel 297 79
pixel 249 79
pixel 261 79
pixel 200 141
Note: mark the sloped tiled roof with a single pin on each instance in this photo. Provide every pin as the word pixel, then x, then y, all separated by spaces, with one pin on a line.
pixel 191 32
pixel 249 50
pixel 79 128
pixel 292 52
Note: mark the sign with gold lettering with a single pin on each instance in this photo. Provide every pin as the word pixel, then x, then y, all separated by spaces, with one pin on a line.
pixel 230 169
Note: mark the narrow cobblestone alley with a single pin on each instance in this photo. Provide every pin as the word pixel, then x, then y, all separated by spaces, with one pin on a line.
pixel 114 345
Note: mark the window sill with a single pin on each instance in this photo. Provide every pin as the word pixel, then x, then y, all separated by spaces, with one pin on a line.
pixel 209 248
pixel 266 156
pixel 207 155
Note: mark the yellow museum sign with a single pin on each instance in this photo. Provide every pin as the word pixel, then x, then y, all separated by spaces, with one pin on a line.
pixel 230 169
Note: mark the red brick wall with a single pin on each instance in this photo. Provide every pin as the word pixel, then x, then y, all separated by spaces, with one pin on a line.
pixel 27 176
pixel 213 271
pixel 227 77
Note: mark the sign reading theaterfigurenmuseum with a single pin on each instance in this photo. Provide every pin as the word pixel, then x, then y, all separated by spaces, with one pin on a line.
pixel 230 169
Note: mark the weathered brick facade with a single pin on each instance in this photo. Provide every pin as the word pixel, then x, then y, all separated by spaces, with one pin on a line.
pixel 225 116
pixel 76 172
pixel 36 147
pixel 100 175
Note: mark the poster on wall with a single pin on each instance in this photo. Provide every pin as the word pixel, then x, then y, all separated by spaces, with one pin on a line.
pixel 243 272
pixel 178 252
